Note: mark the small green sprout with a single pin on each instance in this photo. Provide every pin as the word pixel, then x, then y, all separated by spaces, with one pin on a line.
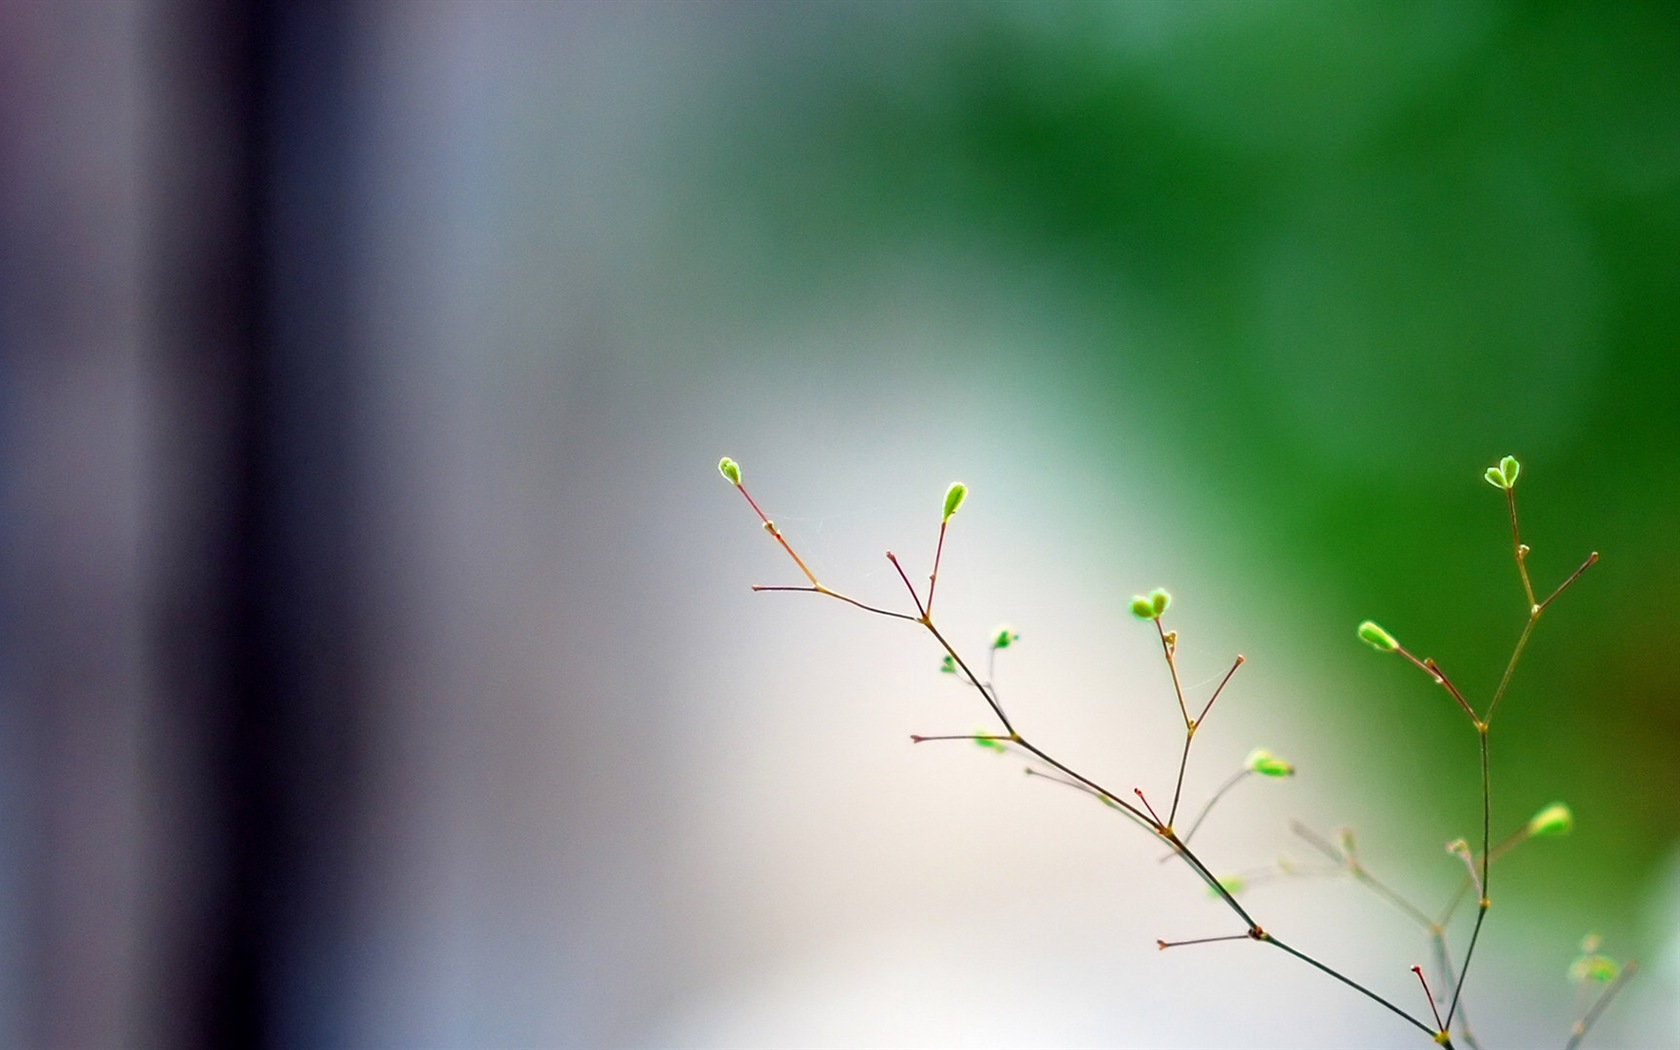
pixel 1504 474
pixel 1151 607
pixel 1377 638
pixel 990 744
pixel 1267 764
pixel 954 497
pixel 730 470
pixel 1555 819
pixel 1592 967
pixel 1003 637
pixel 947 665
pixel 1159 600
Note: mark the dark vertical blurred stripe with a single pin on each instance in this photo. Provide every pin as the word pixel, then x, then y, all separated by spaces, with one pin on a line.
pixel 283 754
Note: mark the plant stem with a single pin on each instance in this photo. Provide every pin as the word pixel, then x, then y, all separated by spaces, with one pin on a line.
pixel 1355 985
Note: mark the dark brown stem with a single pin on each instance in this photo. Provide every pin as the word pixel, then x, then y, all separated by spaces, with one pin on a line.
pixel 1592 559
pixel 1483 904
pixel 1433 670
pixel 919 609
pixel 1178 788
pixel 1355 985
pixel 820 589
pixel 1427 994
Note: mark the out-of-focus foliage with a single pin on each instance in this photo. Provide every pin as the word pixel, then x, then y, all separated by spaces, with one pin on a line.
pixel 1351 253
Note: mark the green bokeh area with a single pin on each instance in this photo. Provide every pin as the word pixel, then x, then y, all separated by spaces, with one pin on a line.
pixel 1344 256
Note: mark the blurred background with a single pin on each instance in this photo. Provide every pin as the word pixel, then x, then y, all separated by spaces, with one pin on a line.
pixel 379 666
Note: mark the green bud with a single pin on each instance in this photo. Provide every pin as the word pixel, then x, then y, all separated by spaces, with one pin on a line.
pixel 1496 478
pixel 1555 819
pixel 1267 764
pixel 947 665
pixel 1232 884
pixel 1142 608
pixel 991 745
pixel 1510 468
pixel 1159 600
pixel 1003 637
pixel 954 497
pixel 730 470
pixel 1377 638
pixel 1593 968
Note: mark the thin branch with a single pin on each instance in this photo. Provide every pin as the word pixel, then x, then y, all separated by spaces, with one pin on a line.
pixel 1382 889
pixel 991 699
pixel 1433 670
pixel 933 577
pixel 1511 664
pixel 1592 559
pixel 1355 985
pixel 820 589
pixel 912 590
pixel 1427 994
pixel 1183 760
pixel 1319 842
pixel 1235 779
pixel 1203 716
pixel 1158 823
pixel 1482 905
pixel 917 738
pixel 770 527
pixel 1172 665
pixel 1517 545
pixel 1164 945
pixel 1579 1032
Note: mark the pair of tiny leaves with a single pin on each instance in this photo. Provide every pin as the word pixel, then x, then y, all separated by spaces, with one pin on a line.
pixel 1151 607
pixel 1503 475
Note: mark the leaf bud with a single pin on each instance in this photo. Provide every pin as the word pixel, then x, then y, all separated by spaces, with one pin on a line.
pixel 954 497
pixel 1267 764
pixel 1377 638
pixel 1593 968
pixel 730 470
pixel 1159 600
pixel 1555 819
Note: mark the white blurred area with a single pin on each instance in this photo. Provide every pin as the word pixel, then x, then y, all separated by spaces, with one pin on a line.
pixel 616 799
